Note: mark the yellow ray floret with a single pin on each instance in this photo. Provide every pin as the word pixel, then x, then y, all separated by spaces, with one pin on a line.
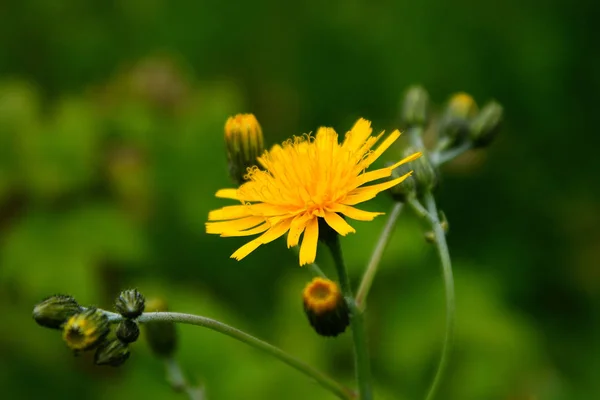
pixel 302 180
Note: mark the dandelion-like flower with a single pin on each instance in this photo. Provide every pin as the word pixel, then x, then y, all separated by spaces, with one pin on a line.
pixel 302 180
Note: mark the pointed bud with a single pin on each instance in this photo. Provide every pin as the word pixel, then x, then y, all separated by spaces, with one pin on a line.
pixel 130 303
pixel 244 142
pixel 487 124
pixel 454 125
pixel 414 106
pixel 127 331
pixel 54 311
pixel 86 330
pixel 325 307
pixel 111 352
pixel 161 336
pixel 424 173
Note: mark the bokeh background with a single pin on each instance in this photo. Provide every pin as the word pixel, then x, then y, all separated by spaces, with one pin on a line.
pixel 111 148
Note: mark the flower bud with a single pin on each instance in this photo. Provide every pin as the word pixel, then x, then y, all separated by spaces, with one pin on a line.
pixel 86 330
pixel 424 173
pixel 407 187
pixel 454 125
pixel 130 303
pixel 325 307
pixel 127 331
pixel 244 142
pixel 111 352
pixel 161 335
pixel 414 106
pixel 486 124
pixel 54 311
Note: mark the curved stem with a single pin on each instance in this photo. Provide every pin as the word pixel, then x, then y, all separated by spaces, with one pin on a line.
pixel 369 274
pixel 442 247
pixel 361 355
pixel 325 381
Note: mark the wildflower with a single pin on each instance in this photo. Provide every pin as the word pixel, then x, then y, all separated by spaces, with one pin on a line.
pixel 112 352
pixel 86 330
pixel 130 303
pixel 325 307
pixel 127 331
pixel 244 142
pixel 454 125
pixel 305 179
pixel 55 310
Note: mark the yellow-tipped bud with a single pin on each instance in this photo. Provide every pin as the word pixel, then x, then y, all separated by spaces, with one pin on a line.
pixel 460 110
pixel 244 142
pixel 161 336
pixel 86 330
pixel 325 307
pixel 54 311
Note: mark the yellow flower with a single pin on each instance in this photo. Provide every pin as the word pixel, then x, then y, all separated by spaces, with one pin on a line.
pixel 305 179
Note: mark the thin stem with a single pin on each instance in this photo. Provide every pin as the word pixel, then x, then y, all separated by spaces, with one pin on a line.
pixel 314 268
pixel 361 355
pixel 439 158
pixel 442 247
pixel 178 381
pixel 325 381
pixel 419 209
pixel 382 242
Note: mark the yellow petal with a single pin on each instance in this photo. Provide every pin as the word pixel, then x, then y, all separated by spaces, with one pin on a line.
pixel 273 233
pixel 358 135
pixel 338 223
pixel 382 147
pixel 246 249
pixel 229 212
pixel 249 232
pixel 296 229
pixel 234 225
pixel 227 194
pixel 355 213
pixel 308 249
pixel 412 157
pixel 368 192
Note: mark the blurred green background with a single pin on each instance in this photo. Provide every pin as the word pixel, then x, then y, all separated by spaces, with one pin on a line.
pixel 111 148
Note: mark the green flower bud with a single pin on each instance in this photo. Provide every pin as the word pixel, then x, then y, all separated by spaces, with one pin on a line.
pixel 424 173
pixel 325 307
pixel 55 310
pixel 130 303
pixel 454 125
pixel 127 331
pixel 86 330
pixel 486 124
pixel 244 142
pixel 161 336
pixel 407 187
pixel 111 352
pixel 414 106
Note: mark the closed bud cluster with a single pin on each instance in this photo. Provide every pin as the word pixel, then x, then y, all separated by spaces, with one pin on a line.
pixel 54 311
pixel 456 119
pixel 325 307
pixel 161 336
pixel 415 106
pixel 130 303
pixel 111 352
pixel 86 330
pixel 244 143
pixel 486 124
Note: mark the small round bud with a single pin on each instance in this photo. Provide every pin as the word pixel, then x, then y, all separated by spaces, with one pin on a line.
pixel 486 124
pixel 407 187
pixel 414 106
pixel 54 311
pixel 127 331
pixel 86 330
pixel 325 307
pixel 424 173
pixel 161 336
pixel 454 125
pixel 111 352
pixel 130 303
pixel 244 142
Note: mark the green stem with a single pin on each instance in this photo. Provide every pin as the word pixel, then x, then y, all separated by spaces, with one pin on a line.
pixel 442 157
pixel 442 247
pixel 361 354
pixel 325 381
pixel 178 381
pixel 384 239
